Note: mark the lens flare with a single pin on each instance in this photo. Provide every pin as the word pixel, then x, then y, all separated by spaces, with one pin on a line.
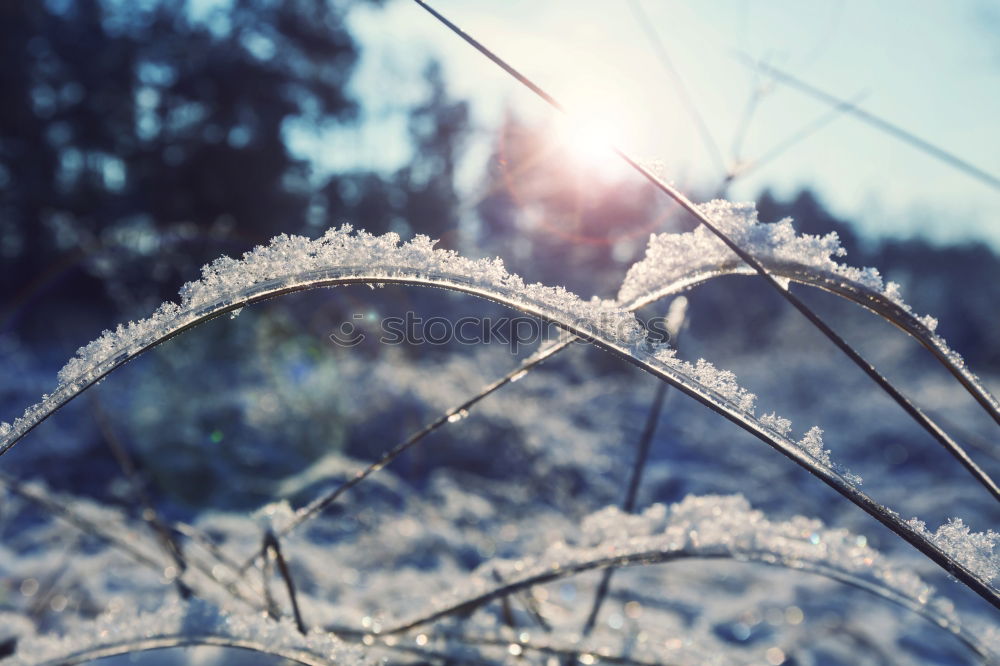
pixel 590 132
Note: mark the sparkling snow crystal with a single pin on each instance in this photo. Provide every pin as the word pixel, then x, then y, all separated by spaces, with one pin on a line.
pixel 701 526
pixel 977 551
pixel 691 257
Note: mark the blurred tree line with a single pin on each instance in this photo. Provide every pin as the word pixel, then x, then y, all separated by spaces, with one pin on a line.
pixel 139 141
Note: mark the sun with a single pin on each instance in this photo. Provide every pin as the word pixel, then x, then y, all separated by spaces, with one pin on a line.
pixel 590 132
pixel 590 138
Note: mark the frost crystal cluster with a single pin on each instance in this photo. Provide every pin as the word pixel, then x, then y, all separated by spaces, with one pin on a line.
pixel 977 551
pixel 706 526
pixel 674 262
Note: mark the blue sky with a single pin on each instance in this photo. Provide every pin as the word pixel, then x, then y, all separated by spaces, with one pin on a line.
pixel 931 67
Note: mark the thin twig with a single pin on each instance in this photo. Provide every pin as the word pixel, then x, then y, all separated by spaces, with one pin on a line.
pixel 529 604
pixel 272 545
pixel 642 454
pixel 505 610
pixel 803 133
pixel 974 440
pixel 878 122
pixel 266 573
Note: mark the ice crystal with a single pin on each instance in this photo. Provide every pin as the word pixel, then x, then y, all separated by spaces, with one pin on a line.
pixel 685 259
pixel 721 382
pixel 777 423
pixel 812 444
pixel 976 551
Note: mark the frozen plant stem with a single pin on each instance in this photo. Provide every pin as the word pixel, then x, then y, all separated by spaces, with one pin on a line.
pixel 505 611
pixel 933 613
pixel 641 456
pixel 529 604
pixel 273 546
pixel 645 558
pixel 922 419
pixel 874 297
